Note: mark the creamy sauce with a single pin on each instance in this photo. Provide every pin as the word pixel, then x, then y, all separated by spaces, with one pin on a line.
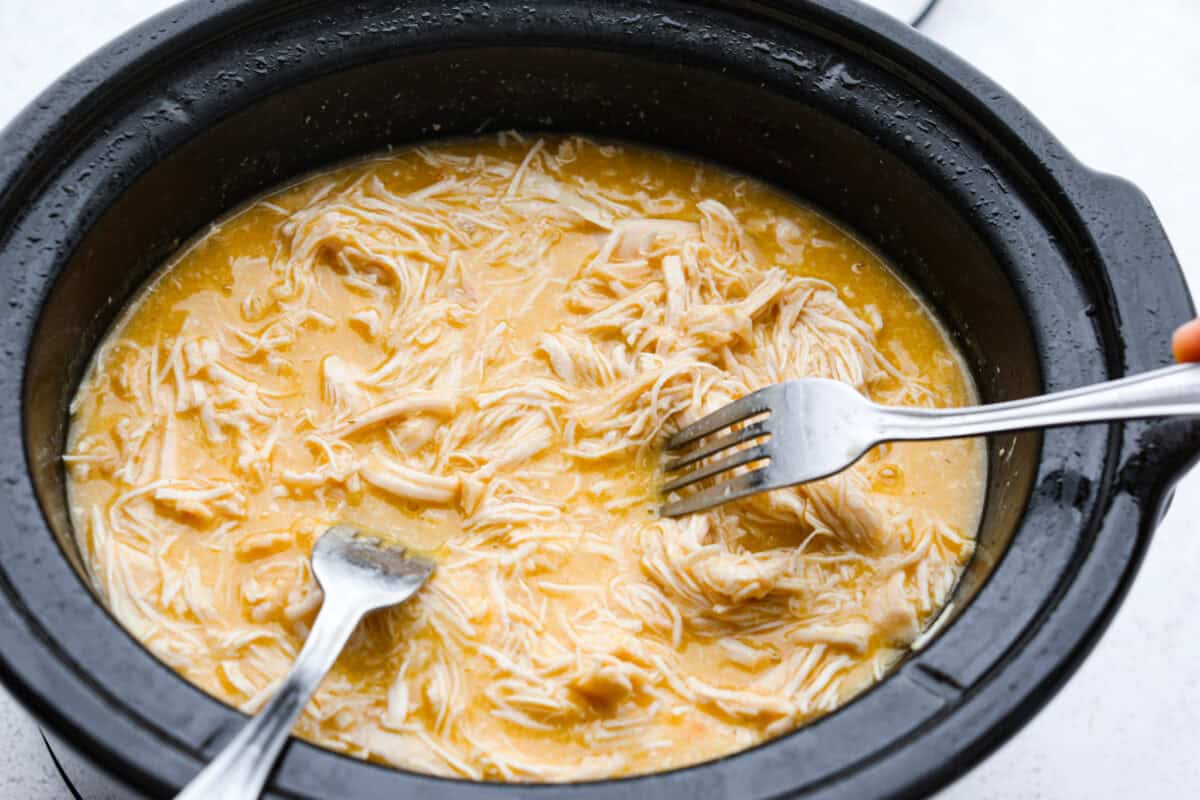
pixel 477 347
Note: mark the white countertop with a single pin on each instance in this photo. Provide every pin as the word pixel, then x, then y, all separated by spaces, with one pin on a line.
pixel 1118 82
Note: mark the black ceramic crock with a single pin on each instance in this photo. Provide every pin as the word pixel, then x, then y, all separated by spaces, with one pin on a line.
pixel 1049 275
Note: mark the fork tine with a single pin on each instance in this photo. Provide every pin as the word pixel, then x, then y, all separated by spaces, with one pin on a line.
pixel 738 486
pixel 751 431
pixel 755 453
pixel 723 417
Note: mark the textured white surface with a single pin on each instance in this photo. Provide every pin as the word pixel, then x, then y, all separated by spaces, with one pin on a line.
pixel 1116 81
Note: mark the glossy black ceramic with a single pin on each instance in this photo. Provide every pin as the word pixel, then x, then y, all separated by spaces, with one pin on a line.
pixel 1049 275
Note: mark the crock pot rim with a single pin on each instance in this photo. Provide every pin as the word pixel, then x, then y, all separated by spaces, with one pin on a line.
pixel 68 102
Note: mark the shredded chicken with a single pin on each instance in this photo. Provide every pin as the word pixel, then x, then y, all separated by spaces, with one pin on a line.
pixel 478 347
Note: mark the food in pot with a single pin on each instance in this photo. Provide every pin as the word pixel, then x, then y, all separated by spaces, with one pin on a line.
pixel 480 345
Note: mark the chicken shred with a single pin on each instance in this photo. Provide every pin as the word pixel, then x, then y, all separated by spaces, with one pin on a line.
pixel 479 346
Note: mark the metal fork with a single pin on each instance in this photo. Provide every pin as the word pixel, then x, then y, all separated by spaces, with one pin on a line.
pixel 809 429
pixel 358 574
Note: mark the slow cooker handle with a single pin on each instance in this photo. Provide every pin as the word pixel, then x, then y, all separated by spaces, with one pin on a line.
pixel 1150 298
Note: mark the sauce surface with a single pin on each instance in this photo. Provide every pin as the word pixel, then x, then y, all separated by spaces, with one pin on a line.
pixel 477 347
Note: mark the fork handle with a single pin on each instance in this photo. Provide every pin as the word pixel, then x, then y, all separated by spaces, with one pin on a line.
pixel 1169 392
pixel 240 770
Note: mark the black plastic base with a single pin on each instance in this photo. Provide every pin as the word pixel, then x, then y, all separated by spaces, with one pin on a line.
pixel 1049 275
pixel 83 780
